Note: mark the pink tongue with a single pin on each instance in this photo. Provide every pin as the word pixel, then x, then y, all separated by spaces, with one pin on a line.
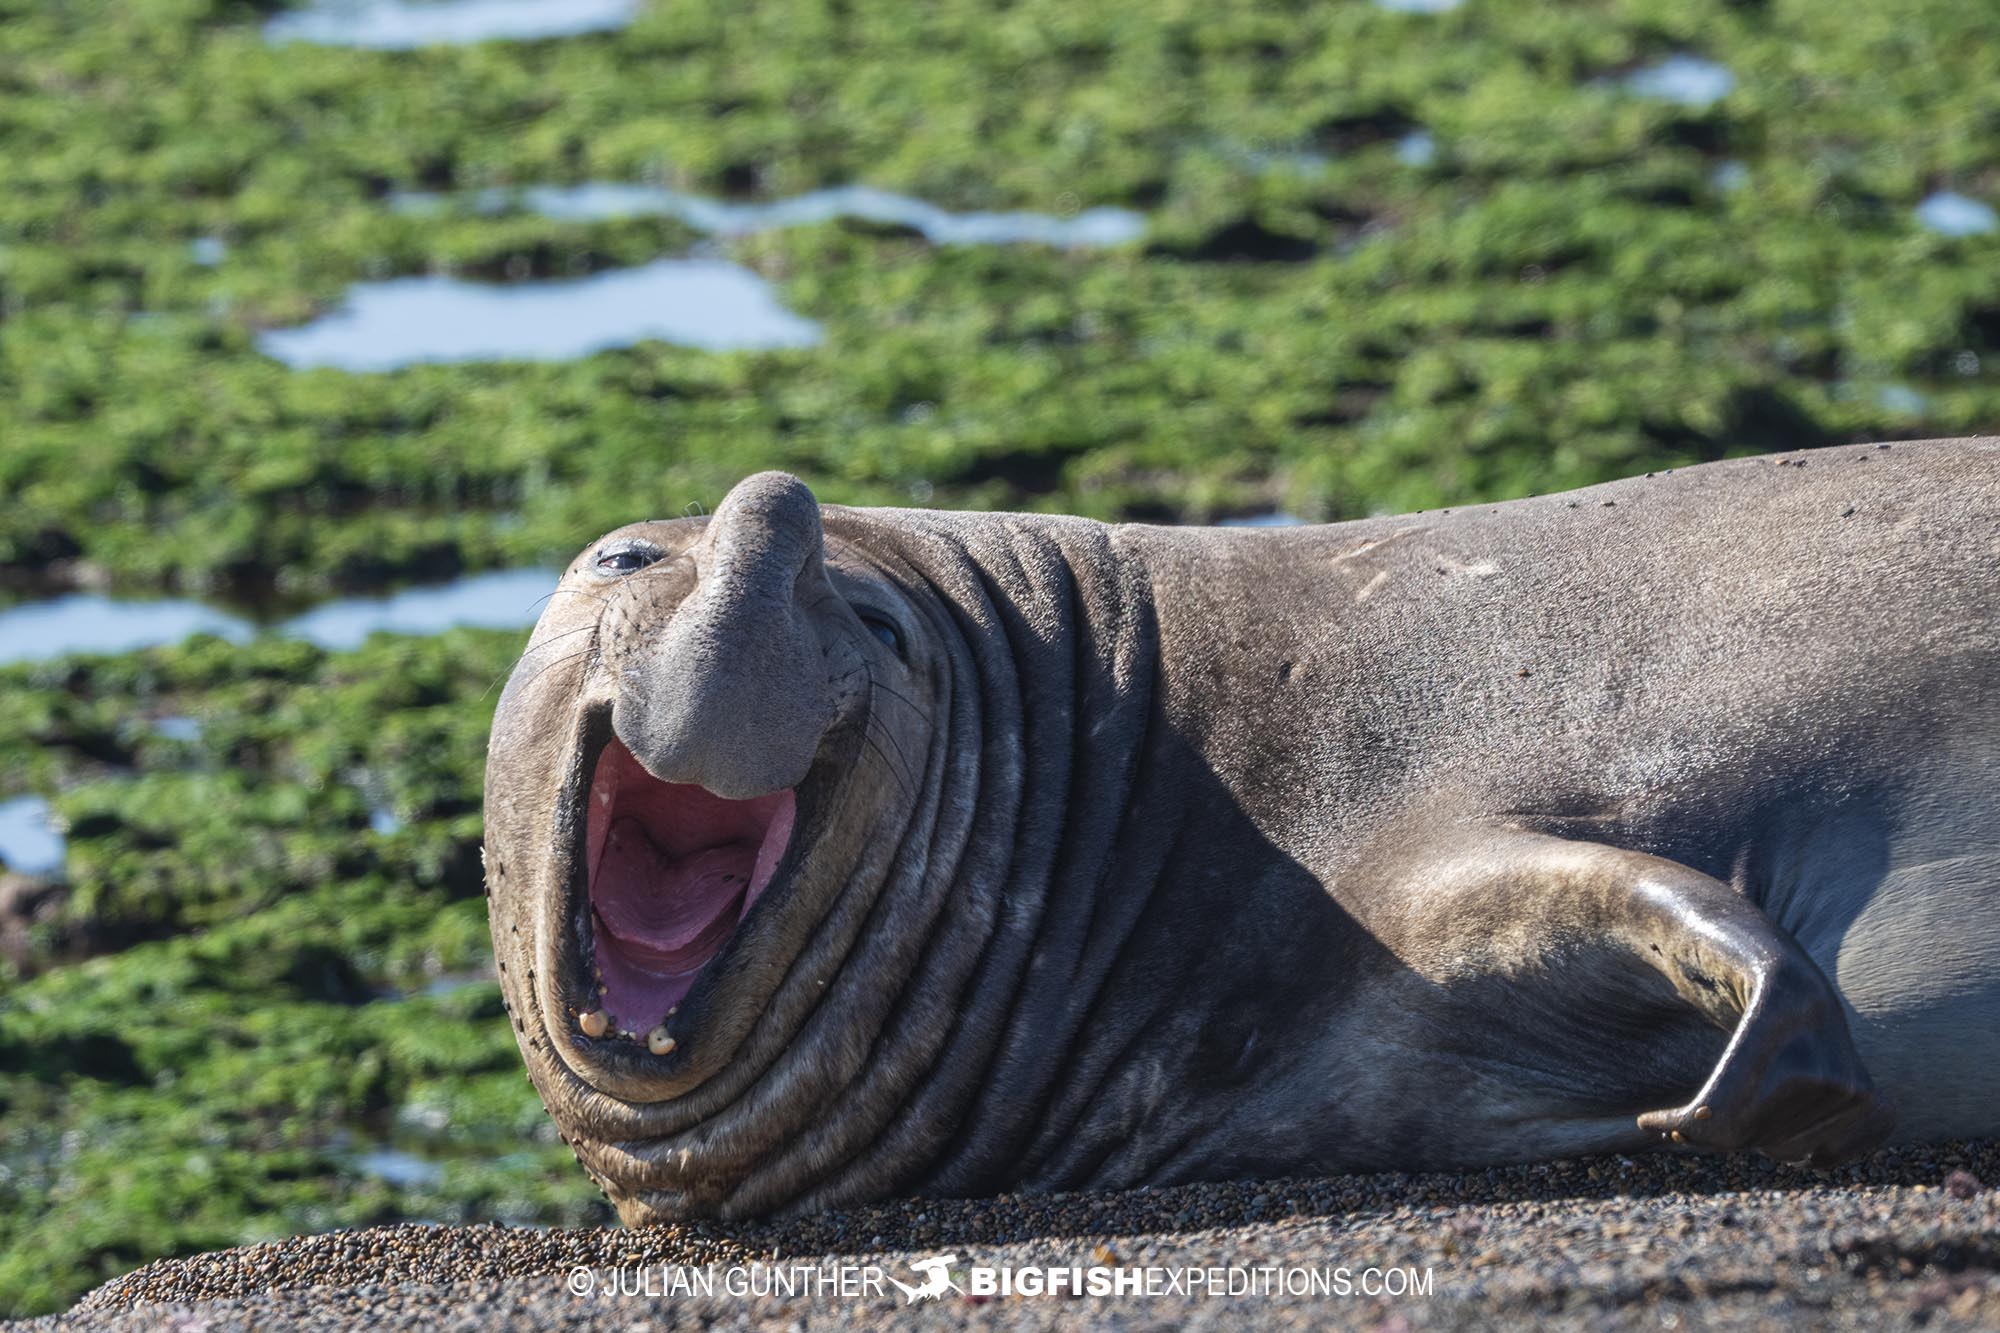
pixel 669 915
pixel 660 919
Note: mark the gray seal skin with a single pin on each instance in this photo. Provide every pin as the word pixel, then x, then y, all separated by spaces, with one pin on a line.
pixel 945 853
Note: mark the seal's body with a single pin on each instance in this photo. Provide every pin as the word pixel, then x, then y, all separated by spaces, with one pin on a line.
pixel 843 853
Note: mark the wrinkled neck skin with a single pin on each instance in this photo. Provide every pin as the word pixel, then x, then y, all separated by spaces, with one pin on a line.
pixel 1022 939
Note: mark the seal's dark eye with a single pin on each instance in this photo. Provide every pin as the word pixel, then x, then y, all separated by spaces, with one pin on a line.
pixel 625 559
pixel 879 626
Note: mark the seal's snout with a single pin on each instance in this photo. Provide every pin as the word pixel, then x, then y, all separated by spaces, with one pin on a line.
pixel 719 714
pixel 732 694
pixel 766 532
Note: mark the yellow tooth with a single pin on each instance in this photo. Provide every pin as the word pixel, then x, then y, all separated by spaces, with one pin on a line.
pixel 593 1023
pixel 658 1042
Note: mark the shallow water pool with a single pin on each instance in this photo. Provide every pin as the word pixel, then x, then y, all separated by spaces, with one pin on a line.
pixel 400 25
pixel 707 303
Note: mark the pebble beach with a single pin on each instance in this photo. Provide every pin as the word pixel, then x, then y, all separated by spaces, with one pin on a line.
pixel 1910 1236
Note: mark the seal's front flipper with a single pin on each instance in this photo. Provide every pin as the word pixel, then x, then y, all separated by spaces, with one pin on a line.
pixel 1504 902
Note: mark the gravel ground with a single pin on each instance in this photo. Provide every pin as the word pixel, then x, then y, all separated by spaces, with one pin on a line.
pixel 1911 1236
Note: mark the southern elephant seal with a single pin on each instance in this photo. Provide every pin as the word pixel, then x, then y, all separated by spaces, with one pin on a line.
pixel 842 853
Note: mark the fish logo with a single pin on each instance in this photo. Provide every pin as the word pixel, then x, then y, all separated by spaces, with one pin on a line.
pixel 937 1280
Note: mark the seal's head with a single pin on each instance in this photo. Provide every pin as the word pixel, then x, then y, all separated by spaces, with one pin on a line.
pixel 697 775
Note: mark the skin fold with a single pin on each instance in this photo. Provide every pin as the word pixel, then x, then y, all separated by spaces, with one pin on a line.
pixel 1654 814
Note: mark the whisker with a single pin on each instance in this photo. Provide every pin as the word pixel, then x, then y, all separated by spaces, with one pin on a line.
pixel 504 671
pixel 900 780
pixel 890 690
pixel 575 592
pixel 909 769
pixel 564 634
pixel 895 693
pixel 567 657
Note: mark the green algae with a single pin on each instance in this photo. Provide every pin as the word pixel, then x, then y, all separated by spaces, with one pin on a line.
pixel 1571 289
pixel 263 1017
pixel 1564 294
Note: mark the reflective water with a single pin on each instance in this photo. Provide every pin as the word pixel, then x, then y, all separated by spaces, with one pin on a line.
pixel 1683 79
pixel 1419 6
pixel 502 599
pixel 185 729
pixel 95 623
pixel 1950 213
pixel 708 303
pixel 29 843
pixel 1903 399
pixel 398 1167
pixel 604 201
pixel 1416 149
pixel 397 25
pixel 92 623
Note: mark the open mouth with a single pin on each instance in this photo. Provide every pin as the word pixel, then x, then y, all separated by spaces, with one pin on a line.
pixel 672 870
